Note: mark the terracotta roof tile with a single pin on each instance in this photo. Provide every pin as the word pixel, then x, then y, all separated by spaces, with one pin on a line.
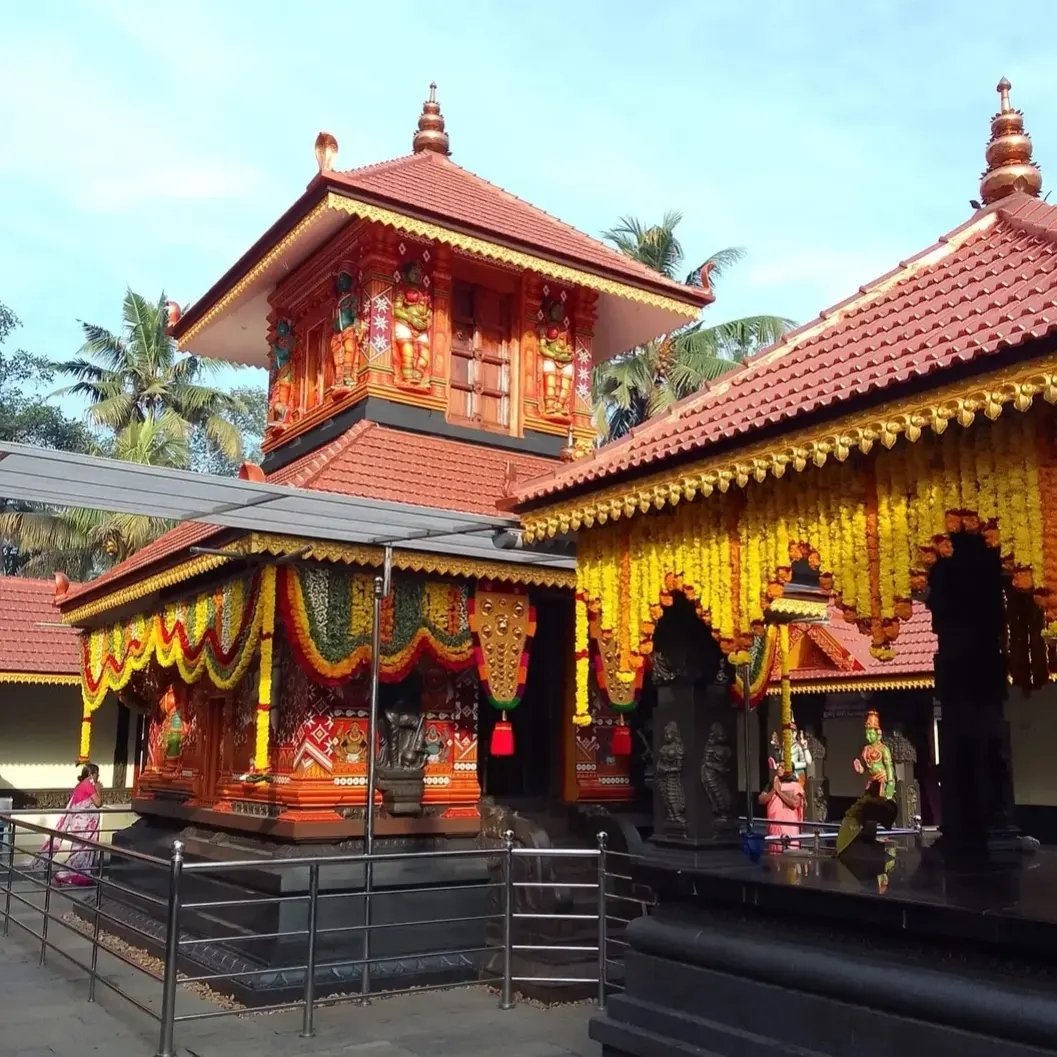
pixel 849 649
pixel 989 285
pixel 32 639
pixel 370 461
pixel 430 183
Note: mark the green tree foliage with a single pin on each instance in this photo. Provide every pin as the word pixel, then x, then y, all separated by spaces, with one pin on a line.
pixel 148 404
pixel 640 383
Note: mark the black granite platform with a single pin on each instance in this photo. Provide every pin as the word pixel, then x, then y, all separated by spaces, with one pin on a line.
pixel 804 955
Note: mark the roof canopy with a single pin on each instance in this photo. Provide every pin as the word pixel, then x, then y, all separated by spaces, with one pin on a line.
pixel 429 196
pixel 64 479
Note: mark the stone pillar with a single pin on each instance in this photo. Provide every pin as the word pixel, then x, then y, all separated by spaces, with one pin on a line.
pixel 965 597
pixel 694 738
pixel 908 792
pixel 816 794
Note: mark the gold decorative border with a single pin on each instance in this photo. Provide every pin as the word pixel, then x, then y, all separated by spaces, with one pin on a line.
pixel 186 570
pixel 236 291
pixel 40 678
pixel 482 248
pixel 840 686
pixel 959 402
pixel 413 561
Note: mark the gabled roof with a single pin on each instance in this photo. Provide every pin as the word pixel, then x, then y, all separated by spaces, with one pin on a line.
pixel 429 196
pixel 34 645
pixel 988 286
pixel 433 185
pixel 369 461
pixel 847 652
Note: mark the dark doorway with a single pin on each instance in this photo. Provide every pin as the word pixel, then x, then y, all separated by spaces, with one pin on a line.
pixel 534 771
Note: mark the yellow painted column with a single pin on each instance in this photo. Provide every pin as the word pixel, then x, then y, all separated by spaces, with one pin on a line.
pixel 86 735
pixel 787 700
pixel 264 692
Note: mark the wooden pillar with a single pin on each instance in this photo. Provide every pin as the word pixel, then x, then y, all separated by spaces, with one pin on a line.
pixel 262 744
pixel 584 318
pixel 441 336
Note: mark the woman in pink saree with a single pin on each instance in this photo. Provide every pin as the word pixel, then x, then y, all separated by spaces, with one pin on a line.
pixel 784 802
pixel 73 862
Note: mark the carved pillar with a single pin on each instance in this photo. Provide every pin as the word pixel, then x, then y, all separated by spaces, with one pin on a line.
pixel 695 768
pixel 442 317
pixel 908 793
pixel 377 286
pixel 586 315
pixel 816 805
pixel 965 597
pixel 531 292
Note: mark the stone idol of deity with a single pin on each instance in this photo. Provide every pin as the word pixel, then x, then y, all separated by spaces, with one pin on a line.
pixel 875 761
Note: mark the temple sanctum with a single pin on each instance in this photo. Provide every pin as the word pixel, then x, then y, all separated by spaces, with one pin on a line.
pixel 430 340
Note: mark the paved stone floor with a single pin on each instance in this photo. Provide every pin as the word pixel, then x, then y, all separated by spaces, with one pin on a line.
pixel 44 1012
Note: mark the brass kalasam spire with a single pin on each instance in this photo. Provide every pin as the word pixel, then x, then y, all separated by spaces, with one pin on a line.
pixel 431 134
pixel 1009 164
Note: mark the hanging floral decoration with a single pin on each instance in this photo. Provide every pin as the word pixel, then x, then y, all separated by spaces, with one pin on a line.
pixel 327 613
pixel 214 633
pixel 871 526
pixel 760 659
pixel 503 622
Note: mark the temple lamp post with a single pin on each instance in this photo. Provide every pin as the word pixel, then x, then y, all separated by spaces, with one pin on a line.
pixel 802 602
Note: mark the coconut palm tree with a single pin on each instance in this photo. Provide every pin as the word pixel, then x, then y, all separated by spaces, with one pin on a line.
pixel 82 543
pixel 140 376
pixel 644 381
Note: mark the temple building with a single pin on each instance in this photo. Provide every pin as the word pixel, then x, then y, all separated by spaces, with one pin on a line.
pixel 40 680
pixel 900 451
pixel 430 340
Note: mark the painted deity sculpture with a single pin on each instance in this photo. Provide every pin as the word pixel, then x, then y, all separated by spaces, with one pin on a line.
pixel 172 729
pixel 348 333
pixel 412 315
pixel 875 761
pixel 556 359
pixel 282 373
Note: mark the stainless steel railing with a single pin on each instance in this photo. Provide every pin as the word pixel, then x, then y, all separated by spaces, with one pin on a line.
pixel 31 894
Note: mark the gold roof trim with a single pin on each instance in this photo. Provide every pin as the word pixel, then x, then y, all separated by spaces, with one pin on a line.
pixel 186 570
pixel 959 402
pixel 40 678
pixel 352 554
pixel 851 685
pixel 413 561
pixel 505 255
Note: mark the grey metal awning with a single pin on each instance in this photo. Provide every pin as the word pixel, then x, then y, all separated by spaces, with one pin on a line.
pixel 63 479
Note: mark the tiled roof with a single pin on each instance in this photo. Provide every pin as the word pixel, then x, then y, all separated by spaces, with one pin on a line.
pixel 985 287
pixel 430 183
pixel 849 650
pixel 372 462
pixel 32 639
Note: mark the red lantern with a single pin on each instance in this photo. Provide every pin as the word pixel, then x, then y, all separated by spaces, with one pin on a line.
pixel 502 738
pixel 621 743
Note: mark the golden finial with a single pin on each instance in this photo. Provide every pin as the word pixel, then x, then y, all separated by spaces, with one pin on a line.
pixel 431 134
pixel 326 151
pixel 1009 165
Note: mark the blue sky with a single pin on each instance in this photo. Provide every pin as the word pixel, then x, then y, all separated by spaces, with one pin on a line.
pixel 830 139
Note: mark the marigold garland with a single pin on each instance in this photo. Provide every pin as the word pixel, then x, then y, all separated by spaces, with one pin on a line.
pixel 872 526
pixel 327 613
pixel 214 633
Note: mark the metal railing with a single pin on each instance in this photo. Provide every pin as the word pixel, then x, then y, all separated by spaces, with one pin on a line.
pixel 38 883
